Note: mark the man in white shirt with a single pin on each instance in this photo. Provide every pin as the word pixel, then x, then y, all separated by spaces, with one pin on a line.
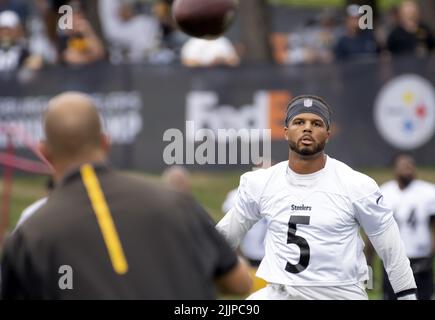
pixel 207 53
pixel 315 206
pixel 132 37
pixel 413 204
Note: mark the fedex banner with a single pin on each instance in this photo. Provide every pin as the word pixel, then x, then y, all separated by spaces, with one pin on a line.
pixel 224 118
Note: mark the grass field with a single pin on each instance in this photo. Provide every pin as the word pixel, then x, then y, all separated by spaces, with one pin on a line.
pixel 210 189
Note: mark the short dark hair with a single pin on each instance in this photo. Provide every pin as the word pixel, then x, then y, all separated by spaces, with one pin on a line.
pixel 398 155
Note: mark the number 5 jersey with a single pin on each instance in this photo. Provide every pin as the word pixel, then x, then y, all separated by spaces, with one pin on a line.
pixel 313 222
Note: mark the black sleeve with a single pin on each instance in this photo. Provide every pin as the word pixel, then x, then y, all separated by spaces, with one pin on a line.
pixel 392 41
pixel 18 275
pixel 225 258
pixel 11 282
pixel 23 56
pixel 430 40
pixel 339 50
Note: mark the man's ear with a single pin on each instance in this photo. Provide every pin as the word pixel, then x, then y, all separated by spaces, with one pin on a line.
pixel 328 135
pixel 285 133
pixel 45 151
pixel 105 143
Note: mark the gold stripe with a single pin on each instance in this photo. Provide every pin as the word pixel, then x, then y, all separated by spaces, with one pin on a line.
pixel 104 219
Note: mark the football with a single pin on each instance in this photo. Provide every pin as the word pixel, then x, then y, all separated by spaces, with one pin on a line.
pixel 206 19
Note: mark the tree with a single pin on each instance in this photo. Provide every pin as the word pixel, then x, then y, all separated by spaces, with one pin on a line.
pixel 255 30
pixel 428 12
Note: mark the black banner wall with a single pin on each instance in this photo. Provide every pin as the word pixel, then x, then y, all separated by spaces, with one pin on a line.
pixel 380 108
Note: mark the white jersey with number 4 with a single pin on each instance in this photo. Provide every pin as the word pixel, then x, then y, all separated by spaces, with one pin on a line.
pixel 314 219
pixel 412 207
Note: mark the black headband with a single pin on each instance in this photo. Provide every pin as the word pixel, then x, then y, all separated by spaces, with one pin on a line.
pixel 308 105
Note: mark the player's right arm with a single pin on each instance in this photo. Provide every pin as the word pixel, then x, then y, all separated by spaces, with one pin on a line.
pixel 244 214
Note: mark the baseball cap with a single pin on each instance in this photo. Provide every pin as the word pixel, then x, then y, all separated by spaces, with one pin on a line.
pixel 352 10
pixel 9 19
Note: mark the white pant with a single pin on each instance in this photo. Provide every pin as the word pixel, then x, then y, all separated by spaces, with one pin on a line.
pixel 275 291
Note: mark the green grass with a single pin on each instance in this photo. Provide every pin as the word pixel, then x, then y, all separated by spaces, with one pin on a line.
pixel 210 189
pixel 382 4
pixel 25 190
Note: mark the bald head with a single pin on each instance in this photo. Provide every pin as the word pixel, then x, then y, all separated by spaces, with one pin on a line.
pixel 178 178
pixel 409 13
pixel 72 126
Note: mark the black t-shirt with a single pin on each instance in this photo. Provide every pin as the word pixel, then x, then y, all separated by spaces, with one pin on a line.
pixel 171 246
pixel 362 45
pixel 401 41
pixel 12 57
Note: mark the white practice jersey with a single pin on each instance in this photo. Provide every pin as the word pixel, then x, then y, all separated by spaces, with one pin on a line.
pixel 313 222
pixel 252 246
pixel 412 209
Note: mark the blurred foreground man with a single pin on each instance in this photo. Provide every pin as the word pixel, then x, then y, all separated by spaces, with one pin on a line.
pixel 413 203
pixel 315 206
pixel 102 235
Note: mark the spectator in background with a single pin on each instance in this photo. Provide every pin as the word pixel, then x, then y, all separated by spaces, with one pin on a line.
pixel 178 178
pixel 411 36
pixel 172 39
pixel 20 7
pixel 387 22
pixel 38 35
pixel 132 36
pixel 315 42
pixel 49 11
pixel 80 45
pixel 14 53
pixel 355 43
pixel 208 53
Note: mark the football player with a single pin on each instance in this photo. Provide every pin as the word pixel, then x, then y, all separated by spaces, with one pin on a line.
pixel 413 204
pixel 315 205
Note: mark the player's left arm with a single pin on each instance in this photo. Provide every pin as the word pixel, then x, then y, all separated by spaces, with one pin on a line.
pixel 378 223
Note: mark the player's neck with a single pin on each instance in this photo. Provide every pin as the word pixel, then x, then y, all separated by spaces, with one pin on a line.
pixel 306 165
pixel 63 167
